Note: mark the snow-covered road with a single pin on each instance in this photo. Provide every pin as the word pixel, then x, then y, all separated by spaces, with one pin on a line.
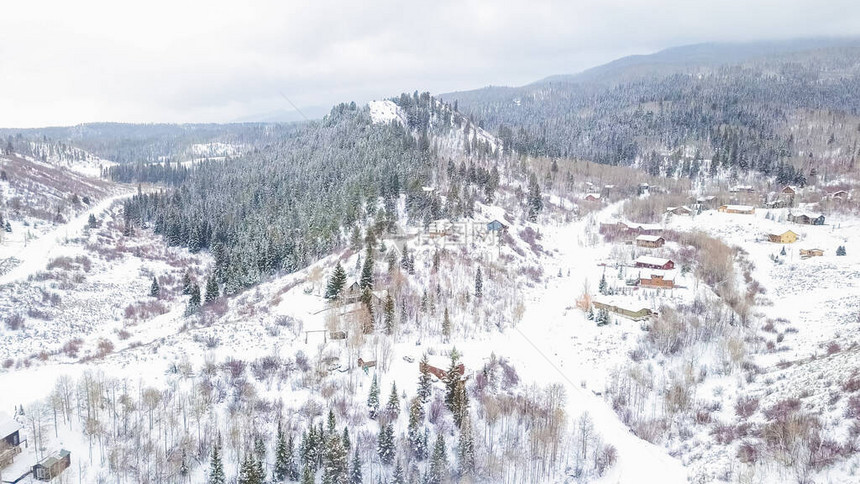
pixel 36 255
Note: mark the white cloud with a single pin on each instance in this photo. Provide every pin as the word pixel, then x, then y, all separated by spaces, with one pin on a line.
pixel 67 62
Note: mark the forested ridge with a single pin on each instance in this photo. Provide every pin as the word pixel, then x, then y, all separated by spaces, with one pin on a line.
pixel 284 206
pixel 777 115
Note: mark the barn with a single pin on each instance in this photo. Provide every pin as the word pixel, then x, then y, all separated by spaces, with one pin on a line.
pixel 787 237
pixel 742 209
pixel 652 241
pixel 648 262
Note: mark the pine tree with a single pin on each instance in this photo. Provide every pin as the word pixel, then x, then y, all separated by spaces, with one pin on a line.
pixel 355 476
pixel 248 471
pixel 415 432
pixel 307 475
pixel 782 252
pixel 602 287
pixel 186 283
pixel 389 314
pixel 183 465
pixel 439 462
pixel 367 301
pixel 840 251
pixel 332 423
pixel 452 380
pixel 155 289
pixel 398 477
pixel 366 281
pixel 404 258
pixel 260 457
pixel 216 468
pixel 385 444
pixel 392 408
pixel 194 300
pixel 347 443
pixel 424 380
pixel 283 456
pixel 535 202
pixel 373 398
pixel 479 284
pixel 212 292
pixel 446 325
pixel 335 466
pixel 336 283
pixel 92 222
pixel 466 448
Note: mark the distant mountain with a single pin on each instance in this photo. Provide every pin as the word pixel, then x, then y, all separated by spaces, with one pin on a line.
pixel 780 108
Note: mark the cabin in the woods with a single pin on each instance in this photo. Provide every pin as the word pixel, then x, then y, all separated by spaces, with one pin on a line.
pixel 778 203
pixel 790 190
pixel 632 309
pixel 646 229
pixel 496 226
pixel 679 210
pixel 10 440
pixel 743 209
pixel 52 465
pixel 438 368
pixel 652 241
pixel 644 188
pixel 787 237
pixel 807 218
pixel 365 364
pixel 807 253
pixel 648 262
pixel 707 201
pixel 661 280
pixel 592 197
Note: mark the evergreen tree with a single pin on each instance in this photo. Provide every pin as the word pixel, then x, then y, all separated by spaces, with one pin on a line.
pixel 398 477
pixel 404 258
pixel 389 314
pixel 392 408
pixel 212 292
pixel 425 381
pixel 336 283
pixel 366 281
pixel 415 433
pixel 332 423
pixel 385 444
pixel 840 251
pixel 446 325
pixel 183 465
pixel 367 301
pixel 535 202
pixel 307 475
pixel 248 471
pixel 452 380
pixel 283 457
pixel 155 289
pixel 186 283
pixel 92 222
pixel 479 284
pixel 335 466
pixel 355 473
pixel 260 456
pixel 602 286
pixel 782 252
pixel 194 300
pixel 373 398
pixel 438 472
pixel 347 444
pixel 466 448
pixel 216 467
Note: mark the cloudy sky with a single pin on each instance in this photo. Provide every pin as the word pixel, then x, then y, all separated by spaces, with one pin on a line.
pixel 66 62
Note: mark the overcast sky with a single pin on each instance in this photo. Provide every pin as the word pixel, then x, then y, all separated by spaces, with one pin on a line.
pixel 66 62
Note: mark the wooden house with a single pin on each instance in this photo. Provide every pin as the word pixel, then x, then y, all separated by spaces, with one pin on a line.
pixel 648 262
pixel 365 364
pixel 438 368
pixel 10 440
pixel 707 201
pixel 789 190
pixel 631 310
pixel 778 203
pixel 742 189
pixel 787 237
pixel 592 197
pixel 807 253
pixel 838 195
pixel 662 280
pixel 743 209
pixel 53 465
pixel 652 241
pixel 679 210
pixel 806 218
pixel 645 229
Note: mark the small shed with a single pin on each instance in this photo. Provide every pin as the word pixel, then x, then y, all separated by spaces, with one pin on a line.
pixel 807 253
pixel 679 210
pixel 649 262
pixel 53 465
pixel 790 190
pixel 592 197
pixel 496 226
pixel 787 237
pixel 652 241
